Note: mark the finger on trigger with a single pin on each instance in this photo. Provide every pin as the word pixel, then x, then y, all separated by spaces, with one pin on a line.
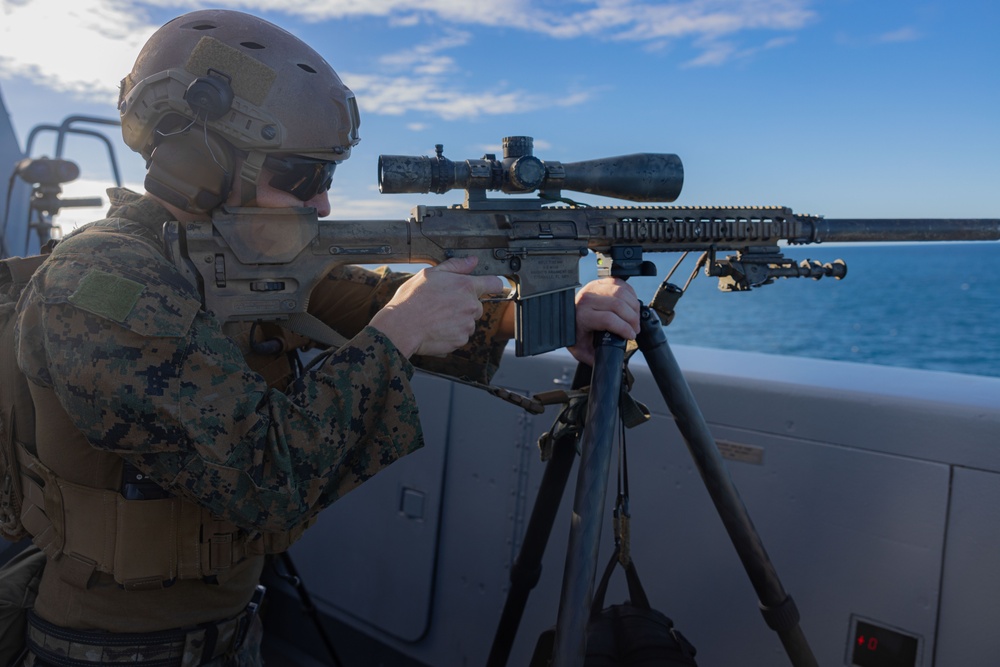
pixel 458 264
pixel 488 285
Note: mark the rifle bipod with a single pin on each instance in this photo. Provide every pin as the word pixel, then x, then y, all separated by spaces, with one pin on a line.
pixel 569 647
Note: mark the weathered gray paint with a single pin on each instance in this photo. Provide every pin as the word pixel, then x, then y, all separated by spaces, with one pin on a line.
pixel 864 499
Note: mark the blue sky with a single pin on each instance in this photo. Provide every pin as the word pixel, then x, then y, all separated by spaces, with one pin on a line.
pixel 844 108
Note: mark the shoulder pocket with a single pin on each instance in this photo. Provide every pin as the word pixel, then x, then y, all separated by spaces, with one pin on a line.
pixel 121 280
pixel 147 307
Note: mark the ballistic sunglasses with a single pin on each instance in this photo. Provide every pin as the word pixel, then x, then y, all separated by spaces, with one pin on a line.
pixel 301 177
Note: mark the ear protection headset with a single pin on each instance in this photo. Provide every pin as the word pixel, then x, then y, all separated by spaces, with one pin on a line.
pixel 210 97
pixel 190 167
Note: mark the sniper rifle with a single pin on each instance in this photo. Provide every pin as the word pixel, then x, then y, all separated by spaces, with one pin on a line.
pixel 254 264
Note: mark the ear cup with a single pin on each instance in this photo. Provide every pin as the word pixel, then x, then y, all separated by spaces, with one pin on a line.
pixel 209 97
pixel 191 170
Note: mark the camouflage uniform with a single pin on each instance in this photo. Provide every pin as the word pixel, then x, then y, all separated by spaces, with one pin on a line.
pixel 111 329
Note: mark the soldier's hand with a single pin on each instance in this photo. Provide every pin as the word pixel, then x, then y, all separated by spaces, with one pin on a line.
pixel 605 304
pixel 435 311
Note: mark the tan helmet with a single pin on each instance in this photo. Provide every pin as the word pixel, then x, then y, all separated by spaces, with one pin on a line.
pixel 214 85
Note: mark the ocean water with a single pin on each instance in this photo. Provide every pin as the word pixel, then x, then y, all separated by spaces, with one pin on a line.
pixel 933 306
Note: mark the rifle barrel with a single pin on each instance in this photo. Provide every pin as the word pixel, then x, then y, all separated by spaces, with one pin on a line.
pixel 865 230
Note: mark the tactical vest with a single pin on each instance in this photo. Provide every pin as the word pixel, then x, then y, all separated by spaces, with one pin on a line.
pixel 92 526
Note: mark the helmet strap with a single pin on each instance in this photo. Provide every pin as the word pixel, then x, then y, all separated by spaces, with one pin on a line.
pixel 253 163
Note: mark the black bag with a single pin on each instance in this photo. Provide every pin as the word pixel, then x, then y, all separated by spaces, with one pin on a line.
pixel 631 634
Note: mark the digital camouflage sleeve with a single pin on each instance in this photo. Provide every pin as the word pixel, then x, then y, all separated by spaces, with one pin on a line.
pixel 351 295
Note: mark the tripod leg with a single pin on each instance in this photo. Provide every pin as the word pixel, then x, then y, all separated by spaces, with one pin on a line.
pixel 777 607
pixel 527 568
pixel 588 503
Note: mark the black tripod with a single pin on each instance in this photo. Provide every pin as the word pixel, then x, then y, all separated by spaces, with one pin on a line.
pixel 777 607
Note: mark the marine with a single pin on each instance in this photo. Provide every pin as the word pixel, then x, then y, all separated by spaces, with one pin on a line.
pixel 172 453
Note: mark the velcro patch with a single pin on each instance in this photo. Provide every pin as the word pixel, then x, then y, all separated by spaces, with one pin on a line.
pixel 107 295
pixel 250 78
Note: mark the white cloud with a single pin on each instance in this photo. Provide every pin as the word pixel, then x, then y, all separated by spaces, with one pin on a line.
pixel 716 52
pixel 103 37
pixel 426 59
pixel 614 19
pixel 396 95
pixel 650 21
pixel 906 34
pixel 713 54
pixel 898 36
pixel 777 43
pixel 419 80
pixel 511 13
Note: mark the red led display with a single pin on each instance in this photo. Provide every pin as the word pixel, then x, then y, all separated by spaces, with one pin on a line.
pixel 875 646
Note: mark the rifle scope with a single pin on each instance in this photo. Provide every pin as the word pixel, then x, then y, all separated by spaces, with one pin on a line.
pixel 645 177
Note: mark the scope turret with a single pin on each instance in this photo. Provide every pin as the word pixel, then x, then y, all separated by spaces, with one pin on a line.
pixel 644 177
